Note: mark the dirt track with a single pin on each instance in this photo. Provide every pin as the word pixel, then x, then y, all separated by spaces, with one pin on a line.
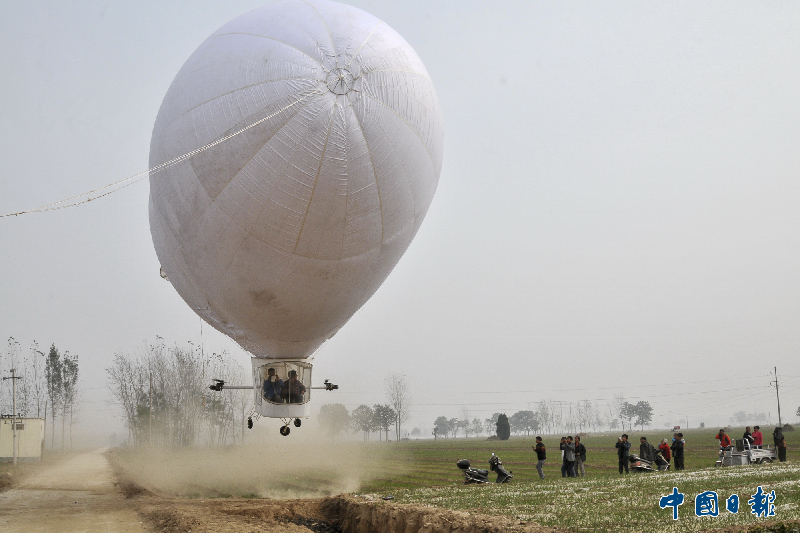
pixel 77 495
pixel 82 495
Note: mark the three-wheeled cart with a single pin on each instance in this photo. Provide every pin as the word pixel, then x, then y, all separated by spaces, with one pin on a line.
pixel 743 453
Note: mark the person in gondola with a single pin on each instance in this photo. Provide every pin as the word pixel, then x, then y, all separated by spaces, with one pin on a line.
pixel 293 390
pixel 273 386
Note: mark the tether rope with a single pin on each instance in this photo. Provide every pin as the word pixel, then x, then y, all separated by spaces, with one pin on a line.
pixel 130 180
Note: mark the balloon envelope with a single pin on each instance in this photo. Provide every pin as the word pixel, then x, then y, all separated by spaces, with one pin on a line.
pixel 328 151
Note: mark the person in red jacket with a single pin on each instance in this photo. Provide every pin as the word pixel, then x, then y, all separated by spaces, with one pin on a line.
pixel 664 449
pixel 724 440
pixel 758 438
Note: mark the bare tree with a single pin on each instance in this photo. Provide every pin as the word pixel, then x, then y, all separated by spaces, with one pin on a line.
pixel 465 424
pixel 618 409
pixel 38 383
pixel 162 395
pixel 399 398
pixel 477 426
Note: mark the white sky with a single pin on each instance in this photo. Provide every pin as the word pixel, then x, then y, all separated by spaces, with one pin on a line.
pixel 617 211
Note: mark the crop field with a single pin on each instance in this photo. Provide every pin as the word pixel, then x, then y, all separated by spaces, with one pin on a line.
pixel 424 472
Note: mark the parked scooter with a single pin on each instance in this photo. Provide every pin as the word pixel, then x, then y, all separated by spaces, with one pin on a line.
pixel 496 465
pixel 637 464
pixel 661 463
pixel 479 475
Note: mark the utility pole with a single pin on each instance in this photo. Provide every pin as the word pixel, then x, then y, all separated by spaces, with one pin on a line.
pixel 14 377
pixel 780 423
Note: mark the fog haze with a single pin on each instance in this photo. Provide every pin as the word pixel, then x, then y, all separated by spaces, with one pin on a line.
pixel 617 211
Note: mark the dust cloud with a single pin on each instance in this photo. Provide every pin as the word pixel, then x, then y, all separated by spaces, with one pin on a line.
pixel 287 468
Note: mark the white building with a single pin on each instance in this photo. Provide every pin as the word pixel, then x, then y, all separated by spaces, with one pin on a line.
pixel 30 438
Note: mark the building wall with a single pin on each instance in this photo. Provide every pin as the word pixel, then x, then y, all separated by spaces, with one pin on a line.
pixel 30 437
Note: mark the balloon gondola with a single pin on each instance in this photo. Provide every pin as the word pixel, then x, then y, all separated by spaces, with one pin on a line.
pixel 293 160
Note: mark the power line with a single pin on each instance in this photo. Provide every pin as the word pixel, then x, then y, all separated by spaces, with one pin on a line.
pixel 111 188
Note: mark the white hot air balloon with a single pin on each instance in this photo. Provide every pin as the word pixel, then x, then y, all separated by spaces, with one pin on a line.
pixel 293 160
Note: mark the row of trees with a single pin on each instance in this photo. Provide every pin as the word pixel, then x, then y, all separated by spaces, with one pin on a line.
pixel 335 419
pixel 48 384
pixel 164 397
pixel 550 417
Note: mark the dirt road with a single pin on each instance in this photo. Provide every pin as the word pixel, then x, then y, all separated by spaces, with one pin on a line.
pixel 78 495
pixel 82 495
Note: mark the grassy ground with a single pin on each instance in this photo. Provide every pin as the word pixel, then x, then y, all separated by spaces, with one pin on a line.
pixel 424 473
pixel 426 463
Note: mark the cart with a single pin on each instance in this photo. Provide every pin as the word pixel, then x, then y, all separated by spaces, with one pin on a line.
pixel 743 453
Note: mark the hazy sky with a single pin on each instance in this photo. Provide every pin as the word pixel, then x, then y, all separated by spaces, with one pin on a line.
pixel 618 210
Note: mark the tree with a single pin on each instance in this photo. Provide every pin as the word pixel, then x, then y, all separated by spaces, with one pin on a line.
pixel 798 412
pixel 617 409
pixel 399 398
pixel 39 385
pixel 627 412
pixel 644 413
pixel 524 421
pixel 491 423
pixel 164 396
pixel 69 382
pixel 544 415
pixel 362 419
pixel 453 426
pixel 503 427
pixel 385 416
pixel 477 426
pixel 465 424
pixel 416 432
pixel 441 427
pixel 55 389
pixel 334 418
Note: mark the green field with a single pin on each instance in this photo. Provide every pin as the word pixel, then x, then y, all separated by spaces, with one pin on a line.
pixel 424 472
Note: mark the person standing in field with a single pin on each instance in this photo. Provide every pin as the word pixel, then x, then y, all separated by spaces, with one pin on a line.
pixel 747 435
pixel 665 451
pixel 646 450
pixel 580 458
pixel 541 455
pixel 780 444
pixel 758 438
pixel 677 450
pixel 623 449
pixel 568 466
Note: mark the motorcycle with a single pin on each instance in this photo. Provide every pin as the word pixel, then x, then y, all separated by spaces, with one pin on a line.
pixel 661 463
pixel 637 464
pixel 479 475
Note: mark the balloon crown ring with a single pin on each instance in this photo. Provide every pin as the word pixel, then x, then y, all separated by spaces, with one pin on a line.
pixel 340 81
